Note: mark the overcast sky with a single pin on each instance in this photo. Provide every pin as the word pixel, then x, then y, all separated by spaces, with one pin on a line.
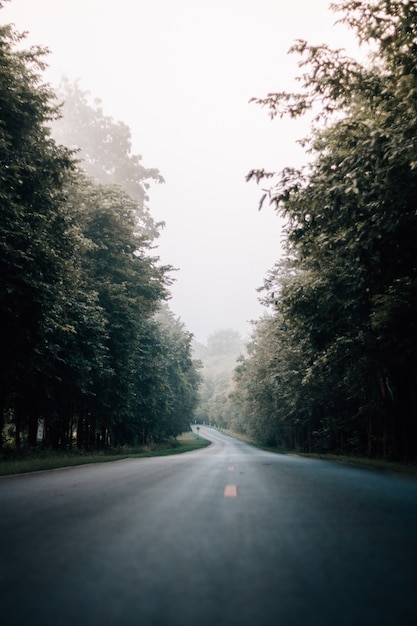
pixel 180 73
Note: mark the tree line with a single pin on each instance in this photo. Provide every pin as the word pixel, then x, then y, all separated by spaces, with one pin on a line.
pixel 91 353
pixel 332 365
pixel 218 358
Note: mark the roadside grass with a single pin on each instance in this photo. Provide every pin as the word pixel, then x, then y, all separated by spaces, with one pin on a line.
pixel 39 460
pixel 378 464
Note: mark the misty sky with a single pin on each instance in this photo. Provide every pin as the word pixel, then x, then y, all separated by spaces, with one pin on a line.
pixel 180 73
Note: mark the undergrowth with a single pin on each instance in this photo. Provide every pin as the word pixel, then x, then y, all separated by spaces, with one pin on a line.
pixel 12 462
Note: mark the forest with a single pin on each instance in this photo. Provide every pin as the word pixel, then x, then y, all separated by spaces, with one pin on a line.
pixel 91 354
pixel 331 366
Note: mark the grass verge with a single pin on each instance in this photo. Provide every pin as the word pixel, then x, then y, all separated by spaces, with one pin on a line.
pixel 378 464
pixel 45 459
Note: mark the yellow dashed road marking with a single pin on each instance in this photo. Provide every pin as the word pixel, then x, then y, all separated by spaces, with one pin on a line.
pixel 230 491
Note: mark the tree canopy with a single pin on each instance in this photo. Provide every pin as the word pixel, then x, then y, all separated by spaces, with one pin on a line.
pixel 86 352
pixel 218 358
pixel 333 366
pixel 103 148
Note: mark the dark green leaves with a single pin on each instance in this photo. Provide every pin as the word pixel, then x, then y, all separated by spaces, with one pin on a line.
pixel 345 307
pixel 80 283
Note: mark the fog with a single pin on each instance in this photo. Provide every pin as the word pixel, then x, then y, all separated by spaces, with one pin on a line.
pixel 181 73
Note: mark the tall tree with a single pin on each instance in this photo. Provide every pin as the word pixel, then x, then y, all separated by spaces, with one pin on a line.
pixel 37 235
pixel 129 282
pixel 218 359
pixel 166 380
pixel 104 148
pixel 85 346
pixel 351 226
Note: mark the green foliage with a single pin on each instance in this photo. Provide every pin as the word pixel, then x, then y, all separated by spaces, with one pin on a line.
pixel 104 149
pixel 85 347
pixel 166 392
pixel 347 295
pixel 218 358
pixel 37 234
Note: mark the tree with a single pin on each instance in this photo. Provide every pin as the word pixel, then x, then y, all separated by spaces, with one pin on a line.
pixel 130 283
pixel 166 379
pixel 104 149
pixel 37 233
pixel 219 359
pixel 87 346
pixel 351 224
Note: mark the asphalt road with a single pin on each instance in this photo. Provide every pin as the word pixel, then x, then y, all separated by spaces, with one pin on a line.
pixel 225 536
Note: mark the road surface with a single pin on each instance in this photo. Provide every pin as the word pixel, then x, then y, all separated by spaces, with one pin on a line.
pixel 225 536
